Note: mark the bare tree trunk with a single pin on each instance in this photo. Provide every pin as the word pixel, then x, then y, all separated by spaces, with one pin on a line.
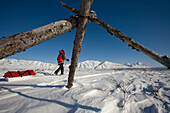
pixel 81 29
pixel 22 41
pixel 164 60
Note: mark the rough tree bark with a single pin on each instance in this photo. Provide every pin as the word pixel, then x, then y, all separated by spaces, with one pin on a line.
pixel 22 41
pixel 81 29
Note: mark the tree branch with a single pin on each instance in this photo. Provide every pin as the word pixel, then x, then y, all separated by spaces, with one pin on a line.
pixel 164 60
pixel 22 41
pixel 70 8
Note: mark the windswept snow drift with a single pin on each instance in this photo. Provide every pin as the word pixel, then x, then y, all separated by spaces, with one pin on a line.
pixel 94 90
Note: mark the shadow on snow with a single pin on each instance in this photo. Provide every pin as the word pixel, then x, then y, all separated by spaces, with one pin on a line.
pixel 73 107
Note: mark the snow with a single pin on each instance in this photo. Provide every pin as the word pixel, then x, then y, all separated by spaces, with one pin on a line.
pixel 94 90
pixel 89 64
pixel 136 65
pixel 109 65
pixel 24 64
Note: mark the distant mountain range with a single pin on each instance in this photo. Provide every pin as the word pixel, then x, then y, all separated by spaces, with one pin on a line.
pixel 89 64
pixel 136 65
pixel 25 64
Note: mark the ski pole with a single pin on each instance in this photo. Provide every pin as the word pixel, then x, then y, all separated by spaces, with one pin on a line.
pixel 66 63
pixel 54 69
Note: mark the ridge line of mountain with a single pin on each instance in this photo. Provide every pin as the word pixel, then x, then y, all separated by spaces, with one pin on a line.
pixel 88 64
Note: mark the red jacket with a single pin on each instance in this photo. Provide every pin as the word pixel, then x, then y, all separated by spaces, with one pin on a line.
pixel 61 57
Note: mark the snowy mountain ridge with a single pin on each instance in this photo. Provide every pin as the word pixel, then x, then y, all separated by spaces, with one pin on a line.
pixel 136 65
pixel 14 62
pixel 89 64
pixel 109 65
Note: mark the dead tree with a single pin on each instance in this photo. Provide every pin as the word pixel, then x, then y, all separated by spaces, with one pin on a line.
pixel 81 29
pixel 164 60
pixel 22 41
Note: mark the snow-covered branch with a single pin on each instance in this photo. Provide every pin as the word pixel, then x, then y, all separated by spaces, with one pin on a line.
pixel 123 87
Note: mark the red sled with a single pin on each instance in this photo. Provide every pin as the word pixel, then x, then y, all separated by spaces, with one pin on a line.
pixel 12 74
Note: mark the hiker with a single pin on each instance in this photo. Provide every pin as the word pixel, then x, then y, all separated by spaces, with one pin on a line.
pixel 60 59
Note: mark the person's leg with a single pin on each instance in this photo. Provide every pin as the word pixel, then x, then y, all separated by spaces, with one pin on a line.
pixel 62 69
pixel 56 72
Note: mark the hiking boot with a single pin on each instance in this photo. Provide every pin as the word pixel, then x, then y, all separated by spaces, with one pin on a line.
pixel 55 73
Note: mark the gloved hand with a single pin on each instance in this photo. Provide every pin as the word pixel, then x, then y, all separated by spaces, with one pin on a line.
pixel 67 59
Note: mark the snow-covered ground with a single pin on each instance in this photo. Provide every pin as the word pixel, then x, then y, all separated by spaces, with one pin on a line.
pixel 95 90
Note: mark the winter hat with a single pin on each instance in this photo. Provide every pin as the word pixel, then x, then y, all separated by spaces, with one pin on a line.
pixel 63 51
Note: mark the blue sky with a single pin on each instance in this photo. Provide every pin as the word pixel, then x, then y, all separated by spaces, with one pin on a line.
pixel 146 21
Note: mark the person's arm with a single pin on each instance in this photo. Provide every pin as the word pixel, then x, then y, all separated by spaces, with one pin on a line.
pixel 65 57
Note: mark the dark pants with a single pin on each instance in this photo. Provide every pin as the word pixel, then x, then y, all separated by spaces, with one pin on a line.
pixel 60 68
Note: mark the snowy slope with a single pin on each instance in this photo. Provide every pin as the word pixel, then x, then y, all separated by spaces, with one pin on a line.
pixel 109 65
pixel 93 91
pixel 19 65
pixel 26 63
pixel 136 65
pixel 13 62
pixel 89 64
